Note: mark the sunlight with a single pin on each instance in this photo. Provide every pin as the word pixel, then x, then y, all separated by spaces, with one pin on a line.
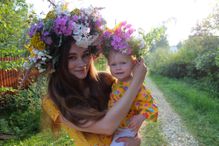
pixel 179 16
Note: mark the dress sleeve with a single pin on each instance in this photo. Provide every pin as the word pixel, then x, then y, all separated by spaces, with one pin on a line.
pixel 54 113
pixel 147 105
pixel 50 108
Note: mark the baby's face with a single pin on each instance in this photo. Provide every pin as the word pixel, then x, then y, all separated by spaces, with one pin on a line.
pixel 120 65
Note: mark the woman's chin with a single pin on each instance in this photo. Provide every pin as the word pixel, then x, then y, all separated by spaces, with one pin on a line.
pixel 81 75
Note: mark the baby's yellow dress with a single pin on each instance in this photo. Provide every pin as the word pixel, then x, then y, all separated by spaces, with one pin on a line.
pixel 143 104
pixel 80 138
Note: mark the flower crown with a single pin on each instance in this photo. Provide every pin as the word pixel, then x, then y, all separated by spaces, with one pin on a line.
pixel 121 39
pixel 84 25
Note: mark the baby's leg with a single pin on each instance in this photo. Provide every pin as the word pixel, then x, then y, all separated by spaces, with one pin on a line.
pixel 122 133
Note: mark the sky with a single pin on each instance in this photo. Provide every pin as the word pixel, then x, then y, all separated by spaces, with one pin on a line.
pixel 178 15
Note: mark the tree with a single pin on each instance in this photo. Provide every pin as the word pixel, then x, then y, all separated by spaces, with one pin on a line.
pixel 209 25
pixel 156 38
pixel 13 16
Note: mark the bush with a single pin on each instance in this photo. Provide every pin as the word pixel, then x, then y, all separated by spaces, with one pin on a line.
pixel 21 115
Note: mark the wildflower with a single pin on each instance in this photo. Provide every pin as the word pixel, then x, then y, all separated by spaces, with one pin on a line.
pixel 37 43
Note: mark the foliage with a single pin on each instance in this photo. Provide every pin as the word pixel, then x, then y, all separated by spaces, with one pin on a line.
pixel 196 58
pixel 101 63
pixel 22 112
pixel 209 25
pixel 13 16
pixel 15 64
pixel 5 89
pixel 11 52
pixel 157 59
pixel 155 38
pixel 198 108
pixel 14 21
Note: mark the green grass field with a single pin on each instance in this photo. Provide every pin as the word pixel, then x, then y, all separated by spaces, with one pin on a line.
pixel 44 138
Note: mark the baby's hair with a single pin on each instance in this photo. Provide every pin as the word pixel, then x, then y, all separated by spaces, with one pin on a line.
pixel 133 57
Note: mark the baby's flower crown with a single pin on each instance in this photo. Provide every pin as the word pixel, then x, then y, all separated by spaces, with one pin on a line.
pixel 84 25
pixel 121 38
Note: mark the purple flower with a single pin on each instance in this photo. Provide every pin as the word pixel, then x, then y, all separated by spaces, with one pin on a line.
pixel 98 23
pixel 35 27
pixel 129 33
pixel 59 25
pixel 106 34
pixel 32 30
pixel 123 23
pixel 128 26
pixel 75 18
pixel 39 26
pixel 69 28
pixel 116 39
pixel 63 26
pixel 46 38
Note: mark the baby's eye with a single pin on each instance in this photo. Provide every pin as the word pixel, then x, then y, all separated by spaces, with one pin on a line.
pixel 113 64
pixel 123 62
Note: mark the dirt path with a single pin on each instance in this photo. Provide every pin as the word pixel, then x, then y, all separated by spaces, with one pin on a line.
pixel 171 125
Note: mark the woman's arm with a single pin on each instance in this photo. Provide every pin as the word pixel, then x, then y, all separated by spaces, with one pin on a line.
pixel 110 122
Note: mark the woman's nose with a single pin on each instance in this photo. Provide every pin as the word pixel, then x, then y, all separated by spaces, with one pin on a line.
pixel 81 62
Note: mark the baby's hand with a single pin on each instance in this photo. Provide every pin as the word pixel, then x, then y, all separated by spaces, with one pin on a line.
pixel 136 122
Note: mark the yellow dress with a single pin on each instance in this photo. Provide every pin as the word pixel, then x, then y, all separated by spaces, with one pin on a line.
pixel 80 138
pixel 143 104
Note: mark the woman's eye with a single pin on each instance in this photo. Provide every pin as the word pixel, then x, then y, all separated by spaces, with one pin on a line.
pixel 72 58
pixel 86 54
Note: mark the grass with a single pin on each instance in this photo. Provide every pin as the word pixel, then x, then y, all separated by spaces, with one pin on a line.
pixel 198 108
pixel 151 135
pixel 45 138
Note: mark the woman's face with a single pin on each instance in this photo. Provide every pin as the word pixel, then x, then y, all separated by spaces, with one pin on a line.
pixel 79 61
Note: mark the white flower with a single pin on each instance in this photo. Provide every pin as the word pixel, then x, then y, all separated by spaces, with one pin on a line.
pixel 41 70
pixel 77 37
pixel 43 58
pixel 88 11
pixel 77 29
pixel 26 65
pixel 86 41
pixel 40 54
pixel 85 30
pixel 48 56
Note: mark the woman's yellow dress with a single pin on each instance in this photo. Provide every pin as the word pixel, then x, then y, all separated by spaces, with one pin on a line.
pixel 80 138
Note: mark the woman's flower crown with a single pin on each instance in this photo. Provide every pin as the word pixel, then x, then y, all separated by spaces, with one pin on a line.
pixel 84 25
pixel 121 38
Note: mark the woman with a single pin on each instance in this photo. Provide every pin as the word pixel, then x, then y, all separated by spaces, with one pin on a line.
pixel 78 95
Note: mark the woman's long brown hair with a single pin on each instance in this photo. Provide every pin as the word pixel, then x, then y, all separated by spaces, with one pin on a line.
pixel 79 101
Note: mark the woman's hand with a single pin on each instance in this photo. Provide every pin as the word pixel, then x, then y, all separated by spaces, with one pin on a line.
pixel 130 141
pixel 136 122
